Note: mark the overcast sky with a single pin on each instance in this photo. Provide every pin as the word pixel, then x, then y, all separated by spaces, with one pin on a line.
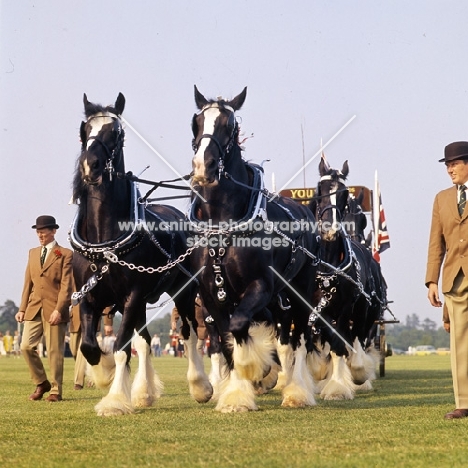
pixel 400 67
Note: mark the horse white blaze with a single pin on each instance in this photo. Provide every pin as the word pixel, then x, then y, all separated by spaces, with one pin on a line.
pixel 96 124
pixel 210 115
pixel 333 203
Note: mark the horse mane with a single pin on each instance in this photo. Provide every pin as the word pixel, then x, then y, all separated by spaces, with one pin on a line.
pixel 93 109
pixel 78 185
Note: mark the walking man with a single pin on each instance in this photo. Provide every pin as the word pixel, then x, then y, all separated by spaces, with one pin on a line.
pixel 448 245
pixel 44 308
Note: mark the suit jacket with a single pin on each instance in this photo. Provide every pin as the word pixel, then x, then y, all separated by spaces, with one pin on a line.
pixel 448 240
pixel 48 287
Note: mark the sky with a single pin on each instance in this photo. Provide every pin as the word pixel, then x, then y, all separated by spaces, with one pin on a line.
pixel 396 69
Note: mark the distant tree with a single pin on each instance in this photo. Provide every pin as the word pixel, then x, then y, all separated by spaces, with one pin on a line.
pixel 412 321
pixel 7 316
pixel 403 336
pixel 429 325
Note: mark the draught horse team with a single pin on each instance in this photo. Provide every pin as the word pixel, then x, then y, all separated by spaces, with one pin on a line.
pixel 292 309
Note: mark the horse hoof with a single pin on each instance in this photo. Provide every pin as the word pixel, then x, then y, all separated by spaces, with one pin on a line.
pixel 235 409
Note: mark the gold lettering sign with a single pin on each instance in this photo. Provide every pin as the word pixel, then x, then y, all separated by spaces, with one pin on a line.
pixel 303 195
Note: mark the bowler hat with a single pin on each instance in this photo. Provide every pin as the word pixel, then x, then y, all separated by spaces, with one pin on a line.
pixel 456 150
pixel 45 221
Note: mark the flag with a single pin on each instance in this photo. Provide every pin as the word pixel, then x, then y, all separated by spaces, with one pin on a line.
pixel 381 239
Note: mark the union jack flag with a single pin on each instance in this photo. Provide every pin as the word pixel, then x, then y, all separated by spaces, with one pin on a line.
pixel 381 238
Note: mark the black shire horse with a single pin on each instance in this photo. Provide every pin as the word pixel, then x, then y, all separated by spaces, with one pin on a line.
pixel 121 261
pixel 254 247
pixel 346 284
pixel 356 223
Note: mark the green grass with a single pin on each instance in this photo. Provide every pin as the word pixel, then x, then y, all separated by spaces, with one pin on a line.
pixel 399 424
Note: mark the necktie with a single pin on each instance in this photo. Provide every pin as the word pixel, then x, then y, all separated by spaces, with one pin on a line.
pixel 462 200
pixel 43 255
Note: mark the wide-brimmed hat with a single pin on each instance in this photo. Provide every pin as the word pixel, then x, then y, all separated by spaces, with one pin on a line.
pixel 456 150
pixel 45 221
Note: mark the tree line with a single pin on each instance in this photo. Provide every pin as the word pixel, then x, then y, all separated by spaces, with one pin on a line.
pixel 414 332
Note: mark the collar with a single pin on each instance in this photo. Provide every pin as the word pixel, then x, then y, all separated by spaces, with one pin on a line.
pixel 50 245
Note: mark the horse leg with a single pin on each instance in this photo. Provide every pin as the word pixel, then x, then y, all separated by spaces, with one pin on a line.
pixel 117 401
pixel 320 365
pixel 102 365
pixel 285 354
pixel 299 391
pixel 362 365
pixel 340 386
pixel 236 395
pixel 147 386
pixel 199 385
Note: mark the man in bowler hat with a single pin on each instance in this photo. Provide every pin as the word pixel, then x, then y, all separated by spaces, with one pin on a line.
pixel 448 246
pixel 44 308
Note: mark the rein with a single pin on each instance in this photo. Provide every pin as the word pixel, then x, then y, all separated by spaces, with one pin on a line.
pixel 164 184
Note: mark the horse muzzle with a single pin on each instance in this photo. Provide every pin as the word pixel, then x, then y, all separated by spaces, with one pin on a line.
pixel 203 181
pixel 92 181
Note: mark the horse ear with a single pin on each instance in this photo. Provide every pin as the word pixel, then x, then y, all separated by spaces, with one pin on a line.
pixel 200 100
pixel 323 167
pixel 88 106
pixel 83 134
pixel 120 104
pixel 238 101
pixel 345 169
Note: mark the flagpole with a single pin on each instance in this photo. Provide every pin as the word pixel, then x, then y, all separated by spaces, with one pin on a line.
pixel 376 212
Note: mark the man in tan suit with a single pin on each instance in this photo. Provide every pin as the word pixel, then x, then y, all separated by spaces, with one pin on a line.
pixel 44 308
pixel 448 244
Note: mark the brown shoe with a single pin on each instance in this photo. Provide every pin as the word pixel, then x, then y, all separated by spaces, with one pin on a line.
pixel 78 387
pixel 42 388
pixel 457 414
pixel 54 397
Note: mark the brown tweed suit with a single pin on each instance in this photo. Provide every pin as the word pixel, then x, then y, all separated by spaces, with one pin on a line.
pixel 448 246
pixel 46 289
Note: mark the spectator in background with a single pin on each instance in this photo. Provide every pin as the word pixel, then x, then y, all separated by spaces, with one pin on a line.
pixel 8 343
pixel 156 345
pixel 16 344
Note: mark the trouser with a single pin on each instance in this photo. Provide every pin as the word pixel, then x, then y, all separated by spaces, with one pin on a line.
pixel 80 361
pixel 457 306
pixel 54 335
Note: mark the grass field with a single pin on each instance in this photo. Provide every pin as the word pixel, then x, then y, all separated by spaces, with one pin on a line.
pixel 399 424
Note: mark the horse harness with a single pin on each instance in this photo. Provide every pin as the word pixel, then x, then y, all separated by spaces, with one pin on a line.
pixel 256 213
pixel 110 251
pixel 118 146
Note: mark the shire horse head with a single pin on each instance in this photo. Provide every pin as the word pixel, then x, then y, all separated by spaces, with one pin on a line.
pixel 331 199
pixel 102 139
pixel 215 137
